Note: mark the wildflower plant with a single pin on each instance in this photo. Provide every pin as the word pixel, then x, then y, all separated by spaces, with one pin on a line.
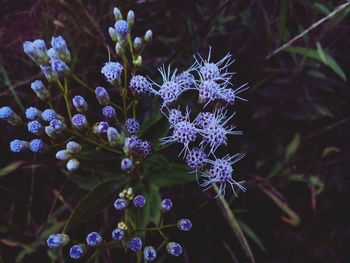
pixel 77 138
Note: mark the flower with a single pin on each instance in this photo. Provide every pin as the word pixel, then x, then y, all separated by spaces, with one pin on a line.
pixel 174 249
pixel 209 91
pixel 118 234
pixel 59 66
pixel 33 113
pixel 148 36
pixel 112 71
pixel 203 119
pixel 77 251
pixel 221 173
pixel 132 126
pixel 59 45
pixel 93 239
pixel 17 146
pixel 113 136
pixel 79 121
pixel 109 112
pixel 175 116
pixel 35 127
pixel 49 73
pixel 139 201
pixel 36 50
pixel 143 148
pixel 139 85
pixel 102 95
pixel 73 165
pixel 122 28
pixel 57 240
pixel 6 113
pixel 80 104
pixel 184 224
pixel 135 244
pixel 120 203
pixel 126 164
pixel 196 158
pixel 187 78
pixel 73 147
pixel 130 143
pixel 149 253
pixel 49 115
pixel 166 205
pixel 37 146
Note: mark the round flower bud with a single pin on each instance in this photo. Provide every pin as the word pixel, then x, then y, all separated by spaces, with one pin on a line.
pixel 35 127
pixel 57 240
pixel 109 112
pixel 49 114
pixel 40 90
pixel 126 164
pixel 36 50
pixel 102 95
pixel 77 251
pixel 148 36
pixel 149 253
pixel 63 155
pixel 113 136
pixel 113 34
pixel 121 225
pixel 73 147
pixel 58 125
pixel 120 204
pixel 139 201
pixel 17 146
pixel 174 249
pixel 93 239
pixel 118 234
pixel 49 73
pixel 130 143
pixel 166 205
pixel 122 28
pixel 143 148
pixel 6 113
pixel 79 121
pixel 132 126
pixel 80 104
pixel 184 224
pixel 33 113
pixel 117 14
pixel 59 66
pixel 37 146
pixel 100 127
pixel 130 17
pixel 112 71
pixel 72 165
pixel 137 43
pixel 135 244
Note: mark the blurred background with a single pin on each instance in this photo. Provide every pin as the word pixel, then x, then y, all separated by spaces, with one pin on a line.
pixel 296 122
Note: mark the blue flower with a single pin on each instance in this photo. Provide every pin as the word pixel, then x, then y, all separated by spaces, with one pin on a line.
pixel 120 203
pixel 196 158
pixel 93 239
pixel 79 121
pixel 135 244
pixel 37 146
pixel 149 253
pixel 77 251
pixel 36 50
pixel 112 71
pixel 126 164
pixel 6 113
pixel 139 201
pixel 122 28
pixel 73 147
pixel 35 127
pixel 143 148
pixel 184 224
pixel 57 240
pixel 17 146
pixel 109 112
pixel 139 85
pixel 33 113
pixel 132 126
pixel 80 104
pixel 59 66
pixel 52 53
pixel 49 115
pixel 175 116
pixel 166 205
pixel 102 95
pixel 118 234
pixel 130 143
pixel 174 249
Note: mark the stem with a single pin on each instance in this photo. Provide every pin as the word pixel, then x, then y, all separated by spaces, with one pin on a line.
pixel 64 90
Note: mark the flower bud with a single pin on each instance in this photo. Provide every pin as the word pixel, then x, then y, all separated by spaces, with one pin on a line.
pixel 79 121
pixel 135 244
pixel 80 104
pixel 60 46
pixel 184 224
pixel 113 136
pixel 63 155
pixel 7 114
pixel 148 36
pixel 102 95
pixel 36 50
pixel 118 234
pixel 120 204
pixel 118 49
pixel 77 251
pixel 40 90
pixel 58 125
pixel 57 240
pixel 174 249
pixel 137 62
pixel 49 73
pixel 35 127
pixel 51 132
pixel 117 14
pixel 122 28
pixel 33 113
pixel 139 201
pixel 109 112
pixel 137 43
pixel 93 239
pixel 72 165
pixel 17 146
pixel 126 164
pixel 59 66
pixel 37 146
pixel 131 18
pixel 100 127
pixel 149 253
pixel 73 147
pixel 166 205
pixel 113 34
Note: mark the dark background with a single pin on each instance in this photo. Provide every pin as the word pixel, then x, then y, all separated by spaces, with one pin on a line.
pixel 296 121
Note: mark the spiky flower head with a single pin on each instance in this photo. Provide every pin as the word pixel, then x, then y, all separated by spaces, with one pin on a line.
pixel 57 240
pixel 196 159
pixel 112 71
pixel 184 224
pixel 102 95
pixel 135 244
pixel 93 239
pixel 79 121
pixel 120 203
pixel 59 45
pixel 149 253
pixel 132 126
pixel 77 251
pixel 122 28
pixel 187 78
pixel 35 127
pixel 175 116
pixel 221 173
pixel 174 249
pixel 139 201
pixel 37 146
pixel 17 146
pixel 80 104
pixel 118 234
pixel 33 113
pixel 166 205
pixel 203 119
pixel 109 112
pixel 209 91
pixel 139 85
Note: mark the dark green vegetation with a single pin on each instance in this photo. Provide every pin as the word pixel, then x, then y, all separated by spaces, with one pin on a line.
pixel 296 126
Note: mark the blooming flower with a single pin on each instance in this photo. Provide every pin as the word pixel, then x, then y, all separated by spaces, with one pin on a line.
pixel 112 71
pixel 49 115
pixel 33 113
pixel 109 112
pixel 196 159
pixel 122 28
pixel 139 85
pixel 35 127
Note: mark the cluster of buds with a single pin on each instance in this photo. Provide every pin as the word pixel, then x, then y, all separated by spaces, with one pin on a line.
pixel 69 154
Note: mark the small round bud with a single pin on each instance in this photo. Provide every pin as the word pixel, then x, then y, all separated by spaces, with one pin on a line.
pixel 72 165
pixel 113 136
pixel 73 147
pixel 109 112
pixel 135 244
pixel 117 14
pixel 63 155
pixel 59 45
pixel 35 127
pixel 113 34
pixel 132 126
pixel 131 18
pixel 49 114
pixel 118 234
pixel 57 240
pixel 6 113
pixel 166 205
pixel 58 125
pixel 77 251
pixel 33 113
pixel 122 226
pixel 148 36
pixel 79 121
pixel 50 131
pixel 120 204
pixel 102 95
pixel 139 85
pixel 149 253
pixel 37 146
pixel 126 164
pixel 17 146
pixel 93 239
pixel 184 224
pixel 139 201
pixel 80 104
pixel 59 66
pixel 137 43
pixel 118 49
pixel 174 249
pixel 100 127
pixel 112 71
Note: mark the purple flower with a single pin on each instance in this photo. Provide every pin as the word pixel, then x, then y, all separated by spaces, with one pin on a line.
pixel 139 201
pixel 132 126
pixel 135 244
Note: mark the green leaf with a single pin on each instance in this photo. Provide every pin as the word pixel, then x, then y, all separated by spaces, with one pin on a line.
pixel 10 168
pixel 293 146
pixel 86 181
pixel 94 202
pixel 250 233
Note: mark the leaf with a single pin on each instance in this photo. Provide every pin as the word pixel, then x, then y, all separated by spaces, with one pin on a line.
pixel 250 233
pixel 322 8
pixel 329 150
pixel 86 181
pixel 293 146
pixel 10 168
pixel 93 203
